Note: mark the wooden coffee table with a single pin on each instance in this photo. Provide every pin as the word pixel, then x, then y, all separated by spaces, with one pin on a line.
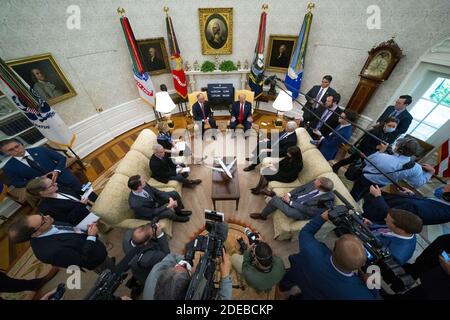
pixel 223 189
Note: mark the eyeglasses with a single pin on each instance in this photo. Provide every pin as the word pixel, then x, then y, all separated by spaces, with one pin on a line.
pixel 44 221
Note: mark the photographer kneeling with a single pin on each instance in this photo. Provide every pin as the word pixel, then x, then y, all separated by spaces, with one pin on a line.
pixel 170 279
pixel 261 270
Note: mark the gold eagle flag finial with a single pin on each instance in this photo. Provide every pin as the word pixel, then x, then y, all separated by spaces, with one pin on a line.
pixel 166 10
pixel 121 11
pixel 311 6
pixel 265 6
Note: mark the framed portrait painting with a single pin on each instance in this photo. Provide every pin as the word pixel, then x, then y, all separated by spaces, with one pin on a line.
pixel 216 30
pixel 153 55
pixel 280 50
pixel 42 73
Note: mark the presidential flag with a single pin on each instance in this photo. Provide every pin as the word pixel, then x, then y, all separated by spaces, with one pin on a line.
pixel 293 79
pixel 442 168
pixel 176 63
pixel 142 78
pixel 256 76
pixel 37 110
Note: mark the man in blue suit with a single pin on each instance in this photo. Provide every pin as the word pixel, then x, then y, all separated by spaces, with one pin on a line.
pixel 399 112
pixel 241 113
pixel 329 145
pixel 323 274
pixel 26 164
pixel 431 210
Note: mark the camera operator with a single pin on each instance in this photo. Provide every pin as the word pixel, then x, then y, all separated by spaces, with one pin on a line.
pixel 153 247
pixel 170 278
pixel 399 233
pixel 261 270
pixel 324 274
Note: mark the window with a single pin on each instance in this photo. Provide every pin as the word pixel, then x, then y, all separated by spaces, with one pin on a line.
pixel 431 111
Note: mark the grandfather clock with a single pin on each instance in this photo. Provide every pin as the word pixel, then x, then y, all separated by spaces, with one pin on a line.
pixel 379 65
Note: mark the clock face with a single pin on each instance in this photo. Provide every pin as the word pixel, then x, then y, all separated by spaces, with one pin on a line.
pixel 379 63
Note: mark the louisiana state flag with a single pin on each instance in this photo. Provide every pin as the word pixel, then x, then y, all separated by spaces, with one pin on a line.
pixel 294 75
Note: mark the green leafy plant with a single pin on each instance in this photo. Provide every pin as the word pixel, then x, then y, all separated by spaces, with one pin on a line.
pixel 227 65
pixel 208 66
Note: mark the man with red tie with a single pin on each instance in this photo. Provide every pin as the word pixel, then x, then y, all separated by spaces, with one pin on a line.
pixel 241 113
pixel 201 112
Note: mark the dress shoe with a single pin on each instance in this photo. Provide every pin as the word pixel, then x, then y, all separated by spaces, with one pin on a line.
pixel 255 191
pixel 250 167
pixel 195 182
pixel 248 159
pixel 185 213
pixel 257 216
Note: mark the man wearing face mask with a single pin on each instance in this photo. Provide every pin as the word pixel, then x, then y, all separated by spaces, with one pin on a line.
pixel 399 112
pixel 368 144
pixel 432 210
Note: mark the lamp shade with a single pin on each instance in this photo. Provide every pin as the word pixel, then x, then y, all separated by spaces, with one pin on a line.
pixel 164 103
pixel 283 102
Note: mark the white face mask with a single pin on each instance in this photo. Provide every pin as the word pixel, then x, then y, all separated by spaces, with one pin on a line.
pixel 389 130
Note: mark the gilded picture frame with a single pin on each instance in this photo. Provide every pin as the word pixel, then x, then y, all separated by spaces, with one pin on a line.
pixel 154 55
pixel 216 30
pixel 279 52
pixel 43 74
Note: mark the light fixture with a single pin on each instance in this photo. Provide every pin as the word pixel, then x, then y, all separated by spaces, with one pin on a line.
pixel 165 105
pixel 282 103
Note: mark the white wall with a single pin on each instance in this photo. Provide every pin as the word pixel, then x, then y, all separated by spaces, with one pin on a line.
pixel 96 61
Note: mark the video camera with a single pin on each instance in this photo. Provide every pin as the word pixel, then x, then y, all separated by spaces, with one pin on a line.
pixel 202 285
pixel 348 221
pixel 108 281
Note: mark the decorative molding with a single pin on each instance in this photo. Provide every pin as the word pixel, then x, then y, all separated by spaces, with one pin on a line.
pixel 101 128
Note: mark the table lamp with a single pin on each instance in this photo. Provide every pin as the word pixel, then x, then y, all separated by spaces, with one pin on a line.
pixel 282 103
pixel 164 104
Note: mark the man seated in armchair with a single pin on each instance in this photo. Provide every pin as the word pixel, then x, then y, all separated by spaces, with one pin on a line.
pixel 302 203
pixel 241 113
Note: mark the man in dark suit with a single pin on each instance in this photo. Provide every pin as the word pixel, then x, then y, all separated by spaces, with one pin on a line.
pixel 322 274
pixel 329 146
pixel 153 247
pixel 318 93
pixel 150 203
pixel 266 148
pixel 241 113
pixel 302 203
pixel 61 245
pixel 26 164
pixel 163 169
pixel 61 203
pixel 327 115
pixel 399 112
pixel 433 271
pixel 430 210
pixel 201 112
